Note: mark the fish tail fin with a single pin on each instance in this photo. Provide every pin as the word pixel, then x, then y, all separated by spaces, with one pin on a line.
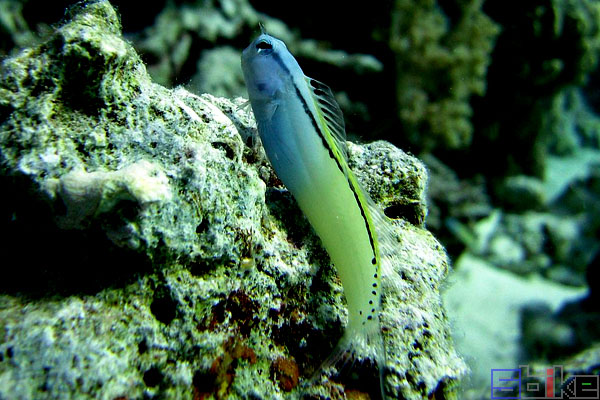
pixel 357 346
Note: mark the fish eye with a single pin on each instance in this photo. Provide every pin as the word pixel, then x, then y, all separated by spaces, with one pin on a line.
pixel 264 45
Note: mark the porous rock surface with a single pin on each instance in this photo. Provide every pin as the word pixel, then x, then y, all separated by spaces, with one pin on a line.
pixel 151 252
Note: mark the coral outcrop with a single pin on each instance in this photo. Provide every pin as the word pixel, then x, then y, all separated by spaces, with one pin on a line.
pixel 442 52
pixel 151 251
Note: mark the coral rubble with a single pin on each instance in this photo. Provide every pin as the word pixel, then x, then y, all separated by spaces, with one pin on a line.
pixel 151 250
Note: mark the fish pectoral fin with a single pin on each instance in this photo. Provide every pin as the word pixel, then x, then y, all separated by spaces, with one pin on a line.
pixel 266 114
pixel 270 109
pixel 245 106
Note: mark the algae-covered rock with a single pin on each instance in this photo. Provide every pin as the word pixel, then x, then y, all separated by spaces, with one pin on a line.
pixel 546 49
pixel 442 52
pixel 154 253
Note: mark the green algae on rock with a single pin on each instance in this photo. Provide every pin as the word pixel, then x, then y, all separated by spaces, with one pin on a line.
pixel 441 58
pixel 208 281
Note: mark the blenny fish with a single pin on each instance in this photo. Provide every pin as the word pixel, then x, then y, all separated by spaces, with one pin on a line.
pixel 303 133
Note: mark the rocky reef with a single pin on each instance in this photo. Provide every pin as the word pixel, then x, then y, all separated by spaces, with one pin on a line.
pixel 151 252
pixel 442 51
pixel 547 49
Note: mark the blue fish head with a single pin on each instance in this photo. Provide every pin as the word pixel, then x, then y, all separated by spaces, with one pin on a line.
pixel 268 67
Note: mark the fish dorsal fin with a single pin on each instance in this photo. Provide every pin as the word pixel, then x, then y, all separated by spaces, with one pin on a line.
pixel 330 113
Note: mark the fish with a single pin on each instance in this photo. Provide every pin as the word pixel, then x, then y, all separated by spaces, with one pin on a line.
pixel 302 131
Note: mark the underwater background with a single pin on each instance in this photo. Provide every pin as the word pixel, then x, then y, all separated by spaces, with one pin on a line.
pixel 498 99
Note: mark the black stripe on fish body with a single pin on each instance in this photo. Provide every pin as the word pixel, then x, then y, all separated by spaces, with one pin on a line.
pixel 315 125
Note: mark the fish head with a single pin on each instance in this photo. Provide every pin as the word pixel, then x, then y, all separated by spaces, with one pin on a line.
pixel 268 66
